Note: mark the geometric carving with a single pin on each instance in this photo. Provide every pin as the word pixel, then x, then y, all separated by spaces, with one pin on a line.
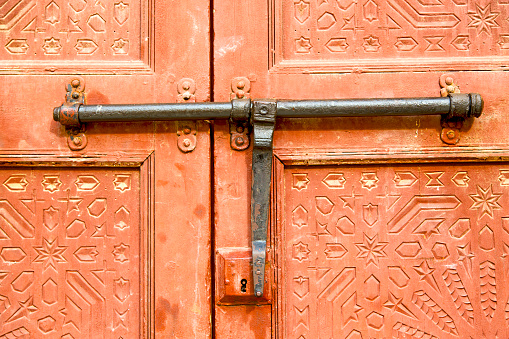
pixel 12 254
pixel 434 43
pixel 122 289
pixel 122 182
pixel 398 276
pixel 466 257
pixel 370 214
pixel 51 183
pixel 122 216
pixel 302 317
pixel 121 253
pixel 76 229
pixel 412 332
pixel 301 286
pixel 349 309
pixel 459 228
pixel 336 46
pixel 425 273
pixel 326 21
pixel 51 218
pixel 369 180
pixel 86 46
pixel 86 254
pixel 300 216
pixel 459 294
pixel 52 46
pixel 97 207
pixel 344 279
pixel 375 320
pixel 486 201
pixel 23 281
pixel 372 288
pixel 17 46
pixel 461 179
pixel 86 182
pixel 26 308
pixel 302 11
pixel 486 239
pixel 120 319
pixel 12 12
pixel 83 288
pixel 434 179
pixel 121 12
pixel 345 225
pixel 371 249
pixel 483 19
pixel 301 251
pixel 428 227
pixel 488 289
pixel 50 253
pixel 409 249
pixel 52 14
pixel 504 178
pixel 405 44
pixel 72 313
pixel 16 183
pixel 440 251
pixel 50 292
pixel 371 45
pixel 324 205
pixel 461 43
pixel 434 312
pixel 303 45
pixel 300 181
pixel 405 179
pixel 97 23
pixel 395 304
pixel 46 324
pixel 370 10
pixel 13 218
pixel 335 251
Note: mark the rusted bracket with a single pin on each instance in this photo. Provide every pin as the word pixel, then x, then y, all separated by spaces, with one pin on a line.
pixel 263 120
pixel 74 98
pixel 453 122
pixel 239 124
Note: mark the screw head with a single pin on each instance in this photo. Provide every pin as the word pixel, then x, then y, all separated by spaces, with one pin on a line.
pixel 240 129
pixel 240 94
pixel 450 134
pixel 75 95
pixel 449 81
pixel 258 293
pixel 75 83
pixel 186 85
pixel 239 141
pixel 264 110
pixel 186 143
pixel 240 84
pixel 451 89
pixel 186 96
pixel 77 141
pixel 187 130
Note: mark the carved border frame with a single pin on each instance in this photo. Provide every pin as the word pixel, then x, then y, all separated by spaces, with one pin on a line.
pixel 145 163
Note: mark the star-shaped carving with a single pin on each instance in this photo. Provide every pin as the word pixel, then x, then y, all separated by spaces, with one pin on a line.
pixel 486 201
pixel 26 308
pixel 51 183
pixel 466 256
pixel 371 44
pixel 50 253
pixel 371 249
pixel 72 203
pixel 369 180
pixel 426 273
pixel 350 309
pixel 483 19
pixel 395 304
pixel 301 251
pixel 120 253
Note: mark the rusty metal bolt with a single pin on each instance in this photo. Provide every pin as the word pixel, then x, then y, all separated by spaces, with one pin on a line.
pixel 451 89
pixel 240 94
pixel 258 294
pixel 451 134
pixel 241 84
pixel 75 83
pixel 239 141
pixel 187 130
pixel 75 95
pixel 186 85
pixel 77 141
pixel 186 96
pixel 186 143
pixel 449 81
pixel 240 129
pixel 264 110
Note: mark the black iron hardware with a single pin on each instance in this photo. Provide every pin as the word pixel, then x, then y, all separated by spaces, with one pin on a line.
pixel 260 116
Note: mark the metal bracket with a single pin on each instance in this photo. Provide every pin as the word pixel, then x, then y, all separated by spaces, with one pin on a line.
pixel 451 125
pixel 186 89
pixel 186 131
pixel 263 120
pixel 241 87
pixel 239 124
pixel 74 98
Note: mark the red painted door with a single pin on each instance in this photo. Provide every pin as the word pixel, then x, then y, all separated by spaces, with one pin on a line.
pixel 111 241
pixel 378 228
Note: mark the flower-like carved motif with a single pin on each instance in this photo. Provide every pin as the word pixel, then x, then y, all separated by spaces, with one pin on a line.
pixel 50 253
pixel 371 249
pixel 483 19
pixel 486 201
pixel 301 251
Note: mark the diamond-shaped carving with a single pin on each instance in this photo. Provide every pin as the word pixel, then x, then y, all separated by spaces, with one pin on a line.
pixel 375 320
pixel 97 23
pixel 440 250
pixel 46 324
pixel 76 229
pixel 459 228
pixel 23 281
pixel 17 46
pixel 50 292
pixel 12 254
pixel 345 225
pixel 372 288
pixel 97 207
pixel 409 249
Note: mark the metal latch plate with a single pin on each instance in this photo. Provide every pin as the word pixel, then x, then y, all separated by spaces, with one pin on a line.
pixel 234 278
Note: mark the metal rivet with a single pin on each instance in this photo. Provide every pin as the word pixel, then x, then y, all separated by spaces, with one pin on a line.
pixel 75 83
pixel 187 130
pixel 186 96
pixel 258 272
pixel 186 85
pixel 77 141
pixel 240 129
pixel 241 84
pixel 449 81
pixel 186 143
pixel 75 95
pixel 264 110
pixel 451 89
pixel 258 294
pixel 239 141
pixel 240 94
pixel 451 134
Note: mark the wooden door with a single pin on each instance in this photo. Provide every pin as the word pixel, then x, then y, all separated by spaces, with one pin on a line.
pixel 111 241
pixel 378 228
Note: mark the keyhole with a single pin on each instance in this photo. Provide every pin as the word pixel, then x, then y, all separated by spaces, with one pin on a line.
pixel 243 285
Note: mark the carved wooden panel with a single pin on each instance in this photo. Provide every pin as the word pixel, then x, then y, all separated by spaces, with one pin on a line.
pixel 47 34
pixel 395 33
pixel 70 253
pixel 417 251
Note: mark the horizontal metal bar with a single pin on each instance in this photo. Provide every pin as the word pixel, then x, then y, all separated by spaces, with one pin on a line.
pixel 153 112
pixel 461 105
pixel 363 107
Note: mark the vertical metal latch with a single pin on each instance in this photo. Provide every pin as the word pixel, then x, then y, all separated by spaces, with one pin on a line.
pixel 263 120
